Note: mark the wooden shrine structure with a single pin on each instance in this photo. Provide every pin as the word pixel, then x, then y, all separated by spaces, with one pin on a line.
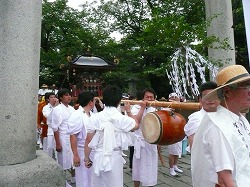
pixel 87 71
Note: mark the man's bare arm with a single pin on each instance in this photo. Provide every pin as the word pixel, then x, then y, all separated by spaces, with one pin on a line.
pixel 225 178
pixel 87 150
pixel 58 143
pixel 73 143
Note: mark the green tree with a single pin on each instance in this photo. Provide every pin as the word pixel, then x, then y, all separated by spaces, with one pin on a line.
pixel 152 31
pixel 240 34
pixel 65 32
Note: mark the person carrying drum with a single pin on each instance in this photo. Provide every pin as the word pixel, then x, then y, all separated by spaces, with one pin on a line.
pixel 145 158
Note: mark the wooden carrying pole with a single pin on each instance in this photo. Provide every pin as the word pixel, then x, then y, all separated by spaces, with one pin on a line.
pixel 174 104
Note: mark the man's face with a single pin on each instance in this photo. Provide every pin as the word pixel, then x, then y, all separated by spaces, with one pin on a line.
pixel 174 98
pixel 149 96
pixel 241 95
pixel 52 99
pixel 66 98
pixel 208 105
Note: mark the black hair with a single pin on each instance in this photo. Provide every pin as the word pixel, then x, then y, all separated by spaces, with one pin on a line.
pixel 112 96
pixel 85 97
pixel 151 90
pixel 62 92
pixel 48 94
pixel 210 85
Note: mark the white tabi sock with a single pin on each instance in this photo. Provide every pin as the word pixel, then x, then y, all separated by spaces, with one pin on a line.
pixel 172 172
pixel 177 169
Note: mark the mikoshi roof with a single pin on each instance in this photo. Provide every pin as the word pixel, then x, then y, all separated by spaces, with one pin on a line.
pixel 92 61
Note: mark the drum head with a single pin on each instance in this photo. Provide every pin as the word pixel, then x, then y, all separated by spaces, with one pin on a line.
pixel 151 127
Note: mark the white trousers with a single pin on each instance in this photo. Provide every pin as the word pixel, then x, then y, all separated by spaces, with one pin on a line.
pixel 83 174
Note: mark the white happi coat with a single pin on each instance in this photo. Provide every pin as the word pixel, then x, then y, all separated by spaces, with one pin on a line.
pixel 43 91
pixel 60 116
pixel 49 141
pixel 78 122
pixel 145 158
pixel 112 135
pixel 222 142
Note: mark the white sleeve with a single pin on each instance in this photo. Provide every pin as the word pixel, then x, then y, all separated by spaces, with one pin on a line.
pixel 75 123
pixel 128 123
pixel 217 150
pixel 192 124
pixel 56 119
pixel 47 111
pixel 92 122
pixel 39 92
pixel 135 109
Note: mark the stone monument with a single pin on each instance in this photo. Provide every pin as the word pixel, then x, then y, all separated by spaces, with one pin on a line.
pixel 20 35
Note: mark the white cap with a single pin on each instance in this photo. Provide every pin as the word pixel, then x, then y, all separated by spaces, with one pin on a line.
pixel 173 95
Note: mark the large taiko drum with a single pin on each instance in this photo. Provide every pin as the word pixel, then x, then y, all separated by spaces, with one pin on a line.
pixel 163 127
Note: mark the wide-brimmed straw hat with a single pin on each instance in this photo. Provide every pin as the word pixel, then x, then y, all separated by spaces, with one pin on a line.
pixel 44 86
pixel 228 76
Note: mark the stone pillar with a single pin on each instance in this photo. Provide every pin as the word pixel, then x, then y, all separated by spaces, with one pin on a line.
pixel 19 66
pixel 220 15
pixel 20 35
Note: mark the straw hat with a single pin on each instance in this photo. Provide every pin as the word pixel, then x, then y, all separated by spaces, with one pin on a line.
pixel 228 76
pixel 44 86
pixel 163 99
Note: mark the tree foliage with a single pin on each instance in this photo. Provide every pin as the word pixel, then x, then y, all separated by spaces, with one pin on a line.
pixel 152 30
pixel 65 32
pixel 240 34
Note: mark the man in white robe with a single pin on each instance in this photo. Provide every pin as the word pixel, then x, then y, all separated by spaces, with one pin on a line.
pixel 145 158
pixel 59 124
pixel 77 130
pixel 221 146
pixel 194 119
pixel 108 135
pixel 49 141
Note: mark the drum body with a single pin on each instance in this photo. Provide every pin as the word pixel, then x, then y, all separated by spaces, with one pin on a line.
pixel 163 127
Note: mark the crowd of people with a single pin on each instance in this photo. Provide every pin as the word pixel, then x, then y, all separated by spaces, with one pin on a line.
pixel 89 141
